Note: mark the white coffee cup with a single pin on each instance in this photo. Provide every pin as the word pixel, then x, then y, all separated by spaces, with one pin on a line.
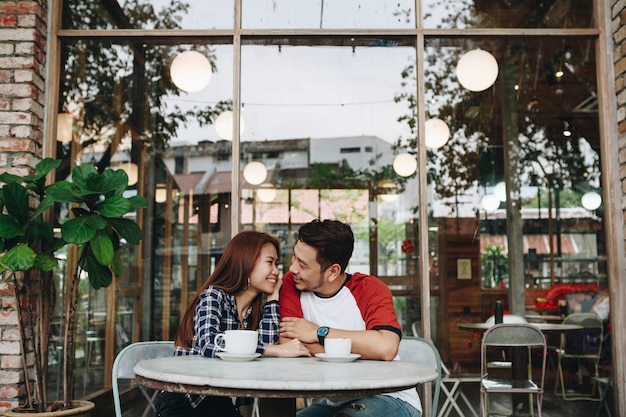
pixel 337 346
pixel 237 342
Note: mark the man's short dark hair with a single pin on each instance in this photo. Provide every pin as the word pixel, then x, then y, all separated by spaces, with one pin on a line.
pixel 333 240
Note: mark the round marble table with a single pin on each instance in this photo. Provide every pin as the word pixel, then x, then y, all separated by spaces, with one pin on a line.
pixel 281 379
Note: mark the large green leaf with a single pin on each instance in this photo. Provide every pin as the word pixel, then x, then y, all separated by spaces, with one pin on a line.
pixel 9 228
pixel 19 258
pixel 128 229
pixel 99 276
pixel 113 206
pixel 81 174
pixel 97 222
pixel 64 192
pixel 46 165
pixel 45 262
pixel 137 201
pixel 116 266
pixel 115 180
pixel 77 231
pixel 45 204
pixel 102 248
pixel 16 199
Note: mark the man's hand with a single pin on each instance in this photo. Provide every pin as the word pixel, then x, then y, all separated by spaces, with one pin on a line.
pixel 298 328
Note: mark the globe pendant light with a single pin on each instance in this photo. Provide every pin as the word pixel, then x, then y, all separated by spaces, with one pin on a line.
pixel 591 200
pixel 404 164
pixel 437 133
pixel 190 71
pixel 255 173
pixel 266 192
pixel 490 203
pixel 477 70
pixel 224 125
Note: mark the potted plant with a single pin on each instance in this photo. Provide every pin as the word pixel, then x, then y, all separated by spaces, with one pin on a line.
pixel 96 230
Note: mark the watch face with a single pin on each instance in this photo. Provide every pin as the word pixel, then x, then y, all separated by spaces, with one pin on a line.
pixel 322 331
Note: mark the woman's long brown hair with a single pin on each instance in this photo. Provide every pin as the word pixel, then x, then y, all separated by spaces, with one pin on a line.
pixel 231 275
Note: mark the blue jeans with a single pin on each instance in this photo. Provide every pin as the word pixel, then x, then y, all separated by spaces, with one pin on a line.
pixel 372 406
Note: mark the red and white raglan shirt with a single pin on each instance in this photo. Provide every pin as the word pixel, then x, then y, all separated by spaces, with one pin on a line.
pixel 363 303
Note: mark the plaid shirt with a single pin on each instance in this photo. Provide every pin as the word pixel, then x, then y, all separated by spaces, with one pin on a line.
pixel 215 313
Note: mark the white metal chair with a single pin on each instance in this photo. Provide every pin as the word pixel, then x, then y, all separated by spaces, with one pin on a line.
pixel 124 364
pixel 579 346
pixel 452 388
pixel 423 351
pixel 515 336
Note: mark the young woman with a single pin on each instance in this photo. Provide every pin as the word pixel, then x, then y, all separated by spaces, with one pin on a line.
pixel 232 298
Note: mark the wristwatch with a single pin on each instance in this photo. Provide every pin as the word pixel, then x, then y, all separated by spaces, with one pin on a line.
pixel 321 334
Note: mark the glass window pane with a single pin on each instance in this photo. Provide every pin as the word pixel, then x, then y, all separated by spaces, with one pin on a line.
pixel 328 14
pixel 508 14
pixel 148 14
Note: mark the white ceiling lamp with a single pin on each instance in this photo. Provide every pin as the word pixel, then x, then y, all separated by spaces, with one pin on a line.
pixel 191 71
pixel 160 194
pixel 404 164
pixel 255 173
pixel 388 198
pixel 224 125
pixel 65 123
pixel 477 70
pixel 490 203
pixel 266 193
pixel 132 171
pixel 591 200
pixel 437 133
pixel 500 191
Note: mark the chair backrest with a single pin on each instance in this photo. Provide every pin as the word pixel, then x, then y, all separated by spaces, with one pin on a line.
pixel 423 351
pixel 514 335
pixel 507 318
pixel 125 361
pixel 587 341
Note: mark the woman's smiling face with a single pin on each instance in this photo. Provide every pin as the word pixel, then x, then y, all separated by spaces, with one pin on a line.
pixel 264 275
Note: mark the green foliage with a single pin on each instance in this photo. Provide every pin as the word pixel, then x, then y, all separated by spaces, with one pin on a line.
pixel 98 225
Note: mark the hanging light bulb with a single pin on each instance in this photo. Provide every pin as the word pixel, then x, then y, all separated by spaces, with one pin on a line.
pixel 404 164
pixel 132 171
pixel 477 70
pixel 64 127
pixel 191 71
pixel 255 173
pixel 437 133
pixel 160 194
pixel 266 192
pixel 567 131
pixel 591 200
pixel 490 203
pixel 224 125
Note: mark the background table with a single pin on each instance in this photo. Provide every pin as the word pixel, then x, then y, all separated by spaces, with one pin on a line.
pixel 280 379
pixel 544 327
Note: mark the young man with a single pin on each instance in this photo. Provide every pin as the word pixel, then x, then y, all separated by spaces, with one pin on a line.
pixel 319 300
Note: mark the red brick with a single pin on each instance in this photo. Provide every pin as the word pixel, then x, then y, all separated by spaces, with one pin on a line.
pixel 22 7
pixel 7 21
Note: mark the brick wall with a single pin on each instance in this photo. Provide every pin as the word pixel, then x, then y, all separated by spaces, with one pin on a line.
pixel 22 73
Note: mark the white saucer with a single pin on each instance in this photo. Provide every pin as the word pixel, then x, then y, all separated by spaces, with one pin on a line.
pixel 237 358
pixel 332 358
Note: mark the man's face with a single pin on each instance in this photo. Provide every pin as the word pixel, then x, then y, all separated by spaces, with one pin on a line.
pixel 307 272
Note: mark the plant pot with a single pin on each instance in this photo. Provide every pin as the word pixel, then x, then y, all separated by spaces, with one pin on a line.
pixel 79 409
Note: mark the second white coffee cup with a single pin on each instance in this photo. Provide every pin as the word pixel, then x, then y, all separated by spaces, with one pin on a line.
pixel 338 346
pixel 237 342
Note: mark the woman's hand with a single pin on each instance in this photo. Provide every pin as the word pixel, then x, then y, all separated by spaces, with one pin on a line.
pixel 290 349
pixel 275 295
